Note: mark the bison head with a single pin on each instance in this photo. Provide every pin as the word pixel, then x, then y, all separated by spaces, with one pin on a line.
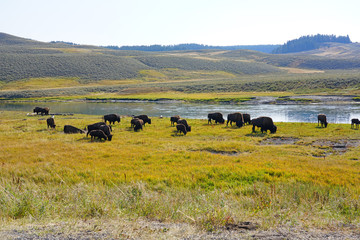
pixel 273 130
pixel 109 137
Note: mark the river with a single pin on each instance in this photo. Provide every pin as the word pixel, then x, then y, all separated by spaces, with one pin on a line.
pixel 336 113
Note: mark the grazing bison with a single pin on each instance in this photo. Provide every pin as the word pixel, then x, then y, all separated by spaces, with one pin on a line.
pixel 72 129
pixel 106 130
pixel 322 120
pixel 181 128
pixel 355 122
pixel 145 118
pixel 246 117
pixel 235 117
pixel 137 123
pixel 184 122
pixel 95 126
pixel 174 119
pixel 218 117
pixel 112 118
pixel 265 123
pixel 97 134
pixel 43 111
pixel 50 122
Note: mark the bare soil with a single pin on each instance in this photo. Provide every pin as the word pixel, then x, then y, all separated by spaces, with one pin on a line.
pixel 145 229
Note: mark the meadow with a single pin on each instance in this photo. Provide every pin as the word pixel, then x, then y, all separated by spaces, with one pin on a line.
pixel 215 175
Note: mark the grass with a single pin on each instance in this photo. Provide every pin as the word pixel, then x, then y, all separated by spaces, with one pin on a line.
pixel 212 176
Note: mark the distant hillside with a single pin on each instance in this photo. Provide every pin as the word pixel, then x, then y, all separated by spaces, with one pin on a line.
pixel 310 42
pixel 191 47
pixel 7 39
pixel 32 65
pixel 24 59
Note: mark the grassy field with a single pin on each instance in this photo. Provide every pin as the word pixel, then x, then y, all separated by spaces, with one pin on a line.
pixel 301 176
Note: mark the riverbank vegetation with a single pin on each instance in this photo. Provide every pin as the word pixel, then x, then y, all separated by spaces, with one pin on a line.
pixel 215 175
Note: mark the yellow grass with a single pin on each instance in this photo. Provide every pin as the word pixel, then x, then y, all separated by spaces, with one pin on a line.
pixel 223 164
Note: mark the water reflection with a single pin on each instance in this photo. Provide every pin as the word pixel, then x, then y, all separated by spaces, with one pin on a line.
pixel 279 113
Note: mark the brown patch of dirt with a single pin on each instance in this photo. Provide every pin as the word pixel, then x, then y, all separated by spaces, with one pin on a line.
pixel 146 229
pixel 241 225
pixel 226 153
pixel 279 140
pixel 337 146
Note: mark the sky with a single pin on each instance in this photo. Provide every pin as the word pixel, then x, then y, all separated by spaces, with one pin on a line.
pixel 169 22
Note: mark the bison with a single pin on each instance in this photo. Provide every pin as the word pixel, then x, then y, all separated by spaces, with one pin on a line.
pixel 355 122
pixel 72 129
pixel 112 118
pixel 137 123
pixel 235 117
pixel 50 122
pixel 181 128
pixel 322 120
pixel 97 134
pixel 94 126
pixel 184 122
pixel 43 111
pixel 265 123
pixel 106 130
pixel 174 119
pixel 218 117
pixel 246 117
pixel 145 118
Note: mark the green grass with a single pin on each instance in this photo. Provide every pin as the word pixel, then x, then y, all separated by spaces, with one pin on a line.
pixel 213 175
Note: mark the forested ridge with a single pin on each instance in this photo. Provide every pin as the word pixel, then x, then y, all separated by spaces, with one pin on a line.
pixel 310 42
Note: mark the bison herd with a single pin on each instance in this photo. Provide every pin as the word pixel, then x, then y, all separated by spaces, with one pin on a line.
pixel 102 131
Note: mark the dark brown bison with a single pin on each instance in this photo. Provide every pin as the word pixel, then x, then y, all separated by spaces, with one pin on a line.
pixel 235 117
pixel 112 118
pixel 137 123
pixel 106 130
pixel 265 123
pixel 322 120
pixel 217 117
pixel 184 122
pixel 181 128
pixel 355 122
pixel 246 117
pixel 72 129
pixel 43 111
pixel 95 126
pixel 174 119
pixel 97 134
pixel 145 118
pixel 50 122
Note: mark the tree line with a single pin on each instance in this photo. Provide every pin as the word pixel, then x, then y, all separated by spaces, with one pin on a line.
pixel 310 42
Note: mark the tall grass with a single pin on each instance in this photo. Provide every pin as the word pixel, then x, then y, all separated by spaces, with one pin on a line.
pixel 212 176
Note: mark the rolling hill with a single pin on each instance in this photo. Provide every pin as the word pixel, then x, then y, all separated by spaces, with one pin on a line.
pixel 31 68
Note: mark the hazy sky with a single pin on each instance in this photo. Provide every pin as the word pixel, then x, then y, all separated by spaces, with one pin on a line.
pixel 166 22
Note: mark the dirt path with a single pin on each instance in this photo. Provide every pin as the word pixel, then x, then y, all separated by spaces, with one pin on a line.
pixel 140 229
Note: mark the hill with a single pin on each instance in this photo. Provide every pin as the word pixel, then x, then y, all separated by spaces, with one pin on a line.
pixel 31 68
pixel 191 47
pixel 310 42
pixel 22 58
